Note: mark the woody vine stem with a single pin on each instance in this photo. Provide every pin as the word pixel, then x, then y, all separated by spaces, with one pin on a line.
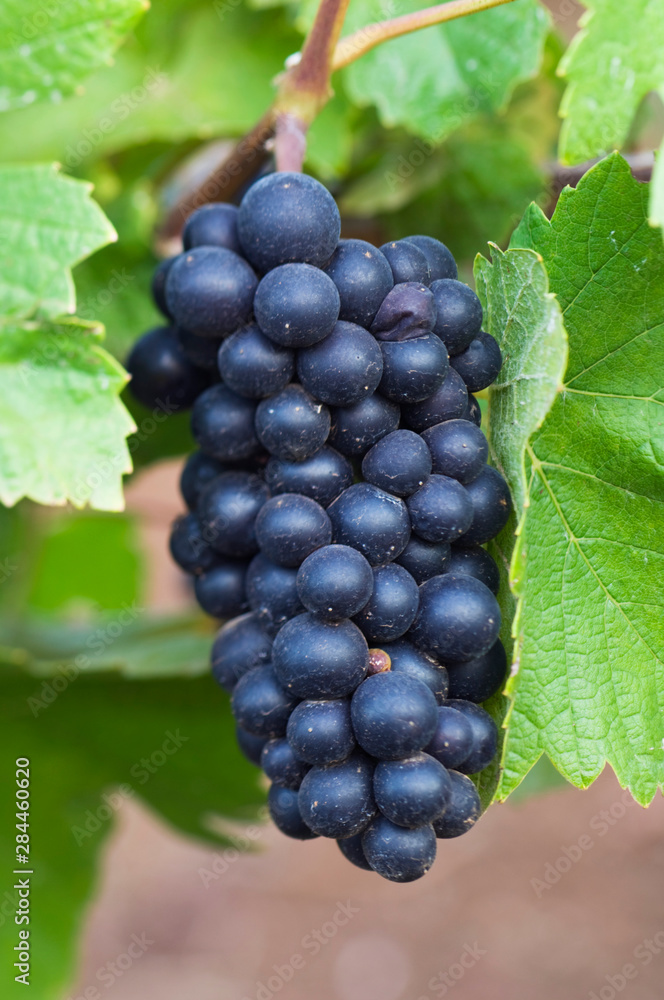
pixel 303 90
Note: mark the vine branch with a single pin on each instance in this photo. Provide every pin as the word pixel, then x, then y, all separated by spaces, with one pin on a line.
pixel 302 92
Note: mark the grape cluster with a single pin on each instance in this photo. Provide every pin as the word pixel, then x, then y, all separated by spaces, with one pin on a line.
pixel 338 506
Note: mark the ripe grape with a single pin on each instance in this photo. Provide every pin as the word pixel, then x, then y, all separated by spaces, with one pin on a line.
pixel 212 225
pixel 253 366
pixel 296 305
pixel 399 854
pixel 320 732
pixel 356 428
pixel 289 527
pixel 393 715
pixel 399 463
pixel 342 369
pixel 458 314
pixel 210 291
pixel 288 217
pixel 391 607
pixel 441 261
pixel 408 262
pixel 319 659
pixel 363 278
pixel 292 425
pixel 412 369
pixel 458 618
pixel 335 582
pixel 462 811
pixel 162 375
pixel 372 521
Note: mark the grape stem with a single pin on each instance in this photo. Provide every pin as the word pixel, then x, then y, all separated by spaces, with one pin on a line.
pixel 303 90
pixel 353 46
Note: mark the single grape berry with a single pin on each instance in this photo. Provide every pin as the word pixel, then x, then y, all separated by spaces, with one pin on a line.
pixel 363 278
pixel 371 521
pixel 448 402
pixel 356 428
pixel 407 261
pixel 223 424
pixel 296 305
pixel 458 618
pixel 408 311
pixel 253 366
pixel 197 472
pixel 485 736
pixel 452 741
pixel 337 800
pixel 250 745
pixel 221 591
pixel 292 425
pixel 281 765
pixel 320 732
pixel 412 791
pixel 407 659
pixel 189 548
pixel 272 593
pixel 159 286
pixel 162 375
pixel 201 351
pixel 458 314
pixel 458 449
pixel 399 854
pixel 492 505
pixel 323 477
pixel 210 291
pixel 285 812
pixel 240 645
pixel 335 582
pixel 462 810
pixel 480 363
pixel 212 225
pixel 412 369
pixel 399 463
pixel 317 659
pixel 290 527
pixel 352 850
pixel 288 217
pixel 393 715
pixel 441 261
pixel 474 561
pixel 392 606
pixel 342 369
pixel 228 508
pixel 259 703
pixel 440 511
pixel 479 679
pixel 425 559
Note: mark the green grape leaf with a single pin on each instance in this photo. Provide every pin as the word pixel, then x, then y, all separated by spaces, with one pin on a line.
pixel 440 78
pixel 525 318
pixel 98 744
pixel 48 223
pixel 62 425
pixel 611 64
pixel 587 684
pixel 47 49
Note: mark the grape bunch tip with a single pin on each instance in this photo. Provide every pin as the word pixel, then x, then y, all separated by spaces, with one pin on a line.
pixel 338 506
